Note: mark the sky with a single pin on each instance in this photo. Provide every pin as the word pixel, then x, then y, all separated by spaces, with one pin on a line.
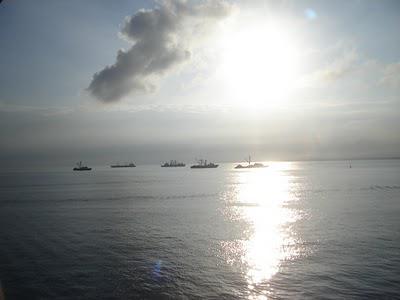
pixel 149 81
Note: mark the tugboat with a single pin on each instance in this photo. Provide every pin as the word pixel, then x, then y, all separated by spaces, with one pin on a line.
pixel 81 167
pixel 128 165
pixel 172 164
pixel 202 164
pixel 250 165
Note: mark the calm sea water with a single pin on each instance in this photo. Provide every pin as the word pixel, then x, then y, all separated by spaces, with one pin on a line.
pixel 298 230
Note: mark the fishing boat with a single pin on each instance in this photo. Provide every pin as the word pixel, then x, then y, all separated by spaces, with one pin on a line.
pixel 172 164
pixel 203 164
pixel 81 167
pixel 128 165
pixel 250 165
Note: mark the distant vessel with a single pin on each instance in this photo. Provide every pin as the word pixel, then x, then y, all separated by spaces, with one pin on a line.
pixel 128 165
pixel 250 165
pixel 81 167
pixel 172 164
pixel 202 164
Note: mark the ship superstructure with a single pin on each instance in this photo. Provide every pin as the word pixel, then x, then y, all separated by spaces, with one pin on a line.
pixel 81 167
pixel 203 164
pixel 250 165
pixel 173 164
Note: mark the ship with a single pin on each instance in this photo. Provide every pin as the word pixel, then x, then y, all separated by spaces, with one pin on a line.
pixel 202 164
pixel 81 167
pixel 250 165
pixel 127 165
pixel 172 164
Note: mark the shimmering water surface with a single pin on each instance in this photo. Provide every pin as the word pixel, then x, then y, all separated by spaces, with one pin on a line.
pixel 292 230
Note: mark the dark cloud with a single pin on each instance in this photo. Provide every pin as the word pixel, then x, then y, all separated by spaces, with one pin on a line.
pixel 159 44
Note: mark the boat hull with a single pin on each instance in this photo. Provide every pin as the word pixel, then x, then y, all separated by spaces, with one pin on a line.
pixel 204 167
pixel 123 166
pixel 249 167
pixel 173 166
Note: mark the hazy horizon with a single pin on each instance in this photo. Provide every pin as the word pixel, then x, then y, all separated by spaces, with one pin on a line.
pixel 149 81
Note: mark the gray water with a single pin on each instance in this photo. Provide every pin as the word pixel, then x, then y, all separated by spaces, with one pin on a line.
pixel 298 230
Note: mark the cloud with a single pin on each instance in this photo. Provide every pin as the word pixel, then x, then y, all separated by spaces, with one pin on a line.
pixel 340 67
pixel 335 66
pixel 391 75
pixel 41 110
pixel 160 43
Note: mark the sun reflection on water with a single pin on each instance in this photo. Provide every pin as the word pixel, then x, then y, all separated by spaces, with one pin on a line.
pixel 259 203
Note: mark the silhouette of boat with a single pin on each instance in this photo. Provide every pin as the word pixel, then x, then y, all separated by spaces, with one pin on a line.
pixel 202 164
pixel 81 167
pixel 250 165
pixel 128 165
pixel 172 164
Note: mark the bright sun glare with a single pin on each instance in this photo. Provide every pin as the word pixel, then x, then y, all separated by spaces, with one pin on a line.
pixel 258 65
pixel 262 201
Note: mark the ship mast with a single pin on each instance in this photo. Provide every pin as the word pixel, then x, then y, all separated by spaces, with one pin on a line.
pixel 249 160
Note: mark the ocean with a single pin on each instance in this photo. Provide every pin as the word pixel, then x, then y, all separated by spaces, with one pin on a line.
pixel 294 230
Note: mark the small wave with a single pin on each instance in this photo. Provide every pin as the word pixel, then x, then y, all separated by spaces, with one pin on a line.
pixel 115 198
pixel 382 187
pixel 63 184
pixel 245 204
pixel 188 196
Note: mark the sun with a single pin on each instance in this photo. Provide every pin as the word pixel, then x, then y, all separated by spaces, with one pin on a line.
pixel 258 64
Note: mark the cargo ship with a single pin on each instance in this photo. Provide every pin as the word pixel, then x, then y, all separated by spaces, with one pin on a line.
pixel 128 165
pixel 81 167
pixel 172 164
pixel 203 164
pixel 250 165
